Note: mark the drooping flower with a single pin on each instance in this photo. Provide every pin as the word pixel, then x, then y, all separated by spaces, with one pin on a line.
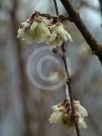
pixel 38 29
pixel 24 32
pixel 82 112
pixel 62 114
pixel 58 35
pixel 35 30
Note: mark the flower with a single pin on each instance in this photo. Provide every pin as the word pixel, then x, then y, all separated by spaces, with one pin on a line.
pixel 62 114
pixel 35 30
pixel 82 112
pixel 58 35
pixel 24 33
pixel 39 29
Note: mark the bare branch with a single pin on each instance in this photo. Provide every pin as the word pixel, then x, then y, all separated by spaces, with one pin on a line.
pixel 94 45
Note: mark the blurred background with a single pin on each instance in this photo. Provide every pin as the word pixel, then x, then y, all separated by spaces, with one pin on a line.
pixel 24 108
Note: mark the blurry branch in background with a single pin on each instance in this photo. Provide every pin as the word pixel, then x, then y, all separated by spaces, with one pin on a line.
pixel 86 4
pixel 100 1
pixel 85 56
pixel 24 86
pixel 94 125
pixel 94 45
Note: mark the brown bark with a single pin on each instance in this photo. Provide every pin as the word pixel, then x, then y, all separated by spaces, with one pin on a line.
pixel 75 17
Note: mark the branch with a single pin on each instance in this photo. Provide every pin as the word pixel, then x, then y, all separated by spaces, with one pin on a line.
pixel 94 45
pixel 69 83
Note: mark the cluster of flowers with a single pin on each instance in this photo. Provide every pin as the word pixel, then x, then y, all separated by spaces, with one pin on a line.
pixel 40 30
pixel 62 114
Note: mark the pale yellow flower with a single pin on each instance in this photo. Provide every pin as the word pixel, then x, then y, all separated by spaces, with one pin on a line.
pixel 24 32
pixel 80 108
pixel 34 31
pixel 33 27
pixel 61 114
pixel 56 117
pixel 55 40
pixel 63 33
pixel 58 35
pixel 39 31
pixel 22 29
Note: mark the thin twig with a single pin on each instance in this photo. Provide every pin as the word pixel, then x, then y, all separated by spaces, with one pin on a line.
pixel 69 83
pixel 61 52
pixel 48 16
pixel 67 92
pixel 94 45
pixel 56 7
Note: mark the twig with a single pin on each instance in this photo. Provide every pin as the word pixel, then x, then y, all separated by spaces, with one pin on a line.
pixel 61 17
pixel 69 83
pixel 94 45
pixel 56 7
pixel 67 92
pixel 61 52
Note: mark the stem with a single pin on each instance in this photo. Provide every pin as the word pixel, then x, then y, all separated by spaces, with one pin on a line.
pixel 69 83
pixel 56 7
pixel 67 92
